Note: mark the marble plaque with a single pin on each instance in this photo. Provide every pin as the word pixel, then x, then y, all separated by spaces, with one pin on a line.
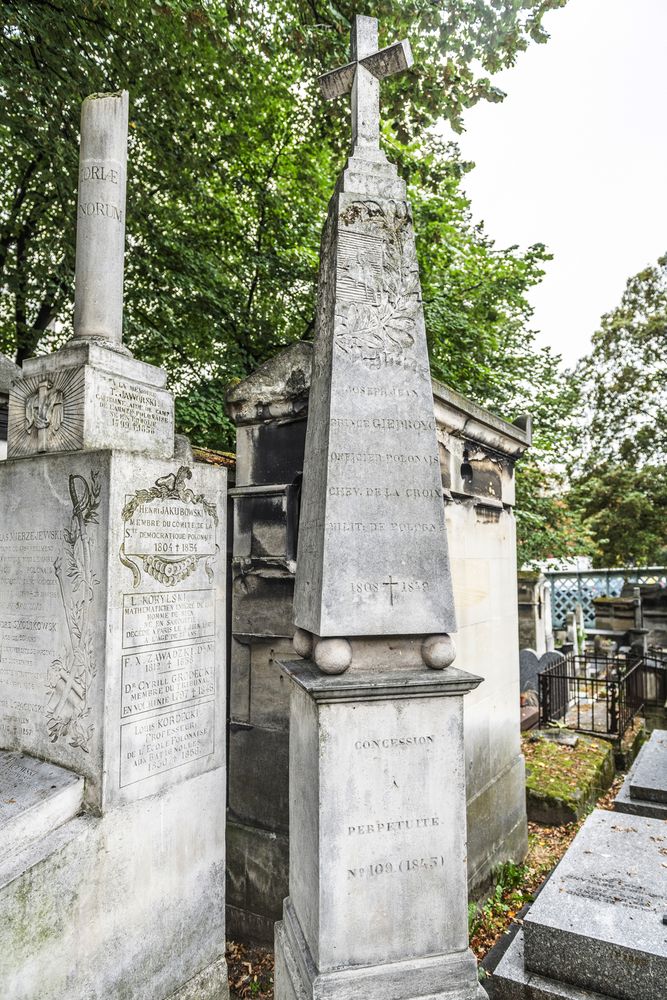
pixel 167 616
pixel 169 599
pixel 130 414
pixel 70 408
pixel 53 556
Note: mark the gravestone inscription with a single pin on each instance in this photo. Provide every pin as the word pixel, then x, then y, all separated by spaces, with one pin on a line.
pixel 111 638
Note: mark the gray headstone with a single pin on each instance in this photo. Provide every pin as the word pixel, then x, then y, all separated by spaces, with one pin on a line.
pixel 529 667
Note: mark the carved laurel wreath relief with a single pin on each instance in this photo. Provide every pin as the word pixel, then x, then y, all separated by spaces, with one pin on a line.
pixel 71 674
pixel 168 569
pixel 378 292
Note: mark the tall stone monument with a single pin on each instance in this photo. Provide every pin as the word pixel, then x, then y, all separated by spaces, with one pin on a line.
pixel 112 684
pixel 377 902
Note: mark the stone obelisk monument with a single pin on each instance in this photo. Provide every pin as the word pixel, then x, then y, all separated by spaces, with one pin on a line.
pixel 93 393
pixel 112 673
pixel 378 900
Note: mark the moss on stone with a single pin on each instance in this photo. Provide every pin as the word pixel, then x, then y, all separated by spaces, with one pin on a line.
pixel 563 782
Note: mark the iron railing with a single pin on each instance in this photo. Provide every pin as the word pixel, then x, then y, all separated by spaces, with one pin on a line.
pixel 601 695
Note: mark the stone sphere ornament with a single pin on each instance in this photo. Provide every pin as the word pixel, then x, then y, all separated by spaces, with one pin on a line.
pixel 333 656
pixel 438 651
pixel 303 643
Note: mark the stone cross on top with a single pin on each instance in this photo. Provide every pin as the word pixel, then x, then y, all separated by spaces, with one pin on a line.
pixel 362 76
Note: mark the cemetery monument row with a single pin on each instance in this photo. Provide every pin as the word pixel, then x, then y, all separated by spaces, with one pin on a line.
pixel 377 902
pixel 112 689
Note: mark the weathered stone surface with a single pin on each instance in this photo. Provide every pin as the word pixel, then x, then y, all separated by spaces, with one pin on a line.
pixel 372 554
pixel 625 803
pixel 512 981
pixel 648 777
pixel 372 544
pixel 35 798
pixel 257 881
pixel 100 232
pixel 258 776
pixel 597 924
pixel 130 904
pixel 284 380
pixel 266 590
pixel 89 397
pixel 566 774
pixel 374 830
pixel 437 977
pixel 109 619
pixel 644 791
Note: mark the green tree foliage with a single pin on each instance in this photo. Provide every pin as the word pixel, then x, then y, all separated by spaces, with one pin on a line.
pixel 620 486
pixel 625 510
pixel 233 156
pixel 625 376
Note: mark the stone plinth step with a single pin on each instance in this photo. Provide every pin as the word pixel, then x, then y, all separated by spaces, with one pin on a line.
pixel 511 981
pixel 598 922
pixel 35 798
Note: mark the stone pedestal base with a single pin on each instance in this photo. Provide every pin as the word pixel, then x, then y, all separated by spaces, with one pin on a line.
pixel 90 396
pixel 112 668
pixel 127 905
pixel 438 977
pixel 378 904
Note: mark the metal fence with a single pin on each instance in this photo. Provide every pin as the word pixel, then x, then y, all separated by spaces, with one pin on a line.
pixel 572 587
pixel 601 695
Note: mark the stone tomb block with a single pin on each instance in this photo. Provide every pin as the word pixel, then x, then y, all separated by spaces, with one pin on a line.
pixel 648 779
pixel 597 924
pixel 90 397
pixel 111 608
pixel 644 791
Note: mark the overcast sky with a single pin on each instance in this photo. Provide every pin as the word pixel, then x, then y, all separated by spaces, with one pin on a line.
pixel 576 158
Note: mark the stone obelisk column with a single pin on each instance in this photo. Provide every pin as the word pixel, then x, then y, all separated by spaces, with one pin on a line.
pixel 100 228
pixel 377 903
pixel 92 393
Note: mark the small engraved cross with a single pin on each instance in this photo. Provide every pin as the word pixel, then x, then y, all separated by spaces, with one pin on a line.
pixel 362 77
pixel 391 583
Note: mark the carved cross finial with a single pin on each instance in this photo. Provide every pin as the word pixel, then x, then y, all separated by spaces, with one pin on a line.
pixel 362 77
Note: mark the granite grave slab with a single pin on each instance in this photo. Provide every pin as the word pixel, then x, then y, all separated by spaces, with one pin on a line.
pixel 598 922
